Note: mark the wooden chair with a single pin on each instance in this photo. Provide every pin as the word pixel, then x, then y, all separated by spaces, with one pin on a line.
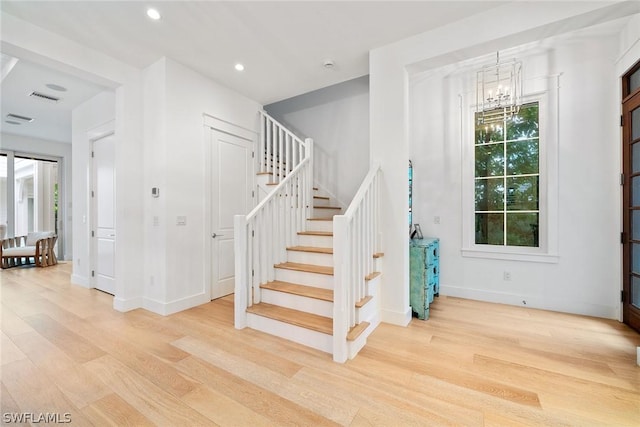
pixel 16 251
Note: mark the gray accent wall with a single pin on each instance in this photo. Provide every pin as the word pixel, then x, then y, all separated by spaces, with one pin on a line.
pixel 337 118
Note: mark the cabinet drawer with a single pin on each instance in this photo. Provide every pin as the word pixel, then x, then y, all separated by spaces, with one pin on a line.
pixel 433 253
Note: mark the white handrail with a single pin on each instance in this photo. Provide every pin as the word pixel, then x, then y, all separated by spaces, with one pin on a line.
pixel 280 150
pixel 355 241
pixel 262 236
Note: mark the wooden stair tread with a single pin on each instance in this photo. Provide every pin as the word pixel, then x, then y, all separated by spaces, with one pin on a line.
pixel 316 233
pixel 363 301
pixel 372 276
pixel 301 290
pixel 293 317
pixel 321 219
pixel 378 255
pixel 313 249
pixel 328 207
pixel 309 268
pixel 357 330
pixel 315 188
pixel 322 197
pixel 263 173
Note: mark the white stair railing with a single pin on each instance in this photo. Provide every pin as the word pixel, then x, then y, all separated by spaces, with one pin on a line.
pixel 262 236
pixel 355 241
pixel 280 150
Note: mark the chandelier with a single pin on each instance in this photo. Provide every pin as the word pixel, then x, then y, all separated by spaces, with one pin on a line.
pixel 498 91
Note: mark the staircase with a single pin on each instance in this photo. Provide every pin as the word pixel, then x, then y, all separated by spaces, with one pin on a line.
pixel 295 278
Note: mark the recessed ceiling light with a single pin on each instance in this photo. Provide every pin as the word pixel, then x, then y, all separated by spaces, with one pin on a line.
pixel 328 64
pixel 239 67
pixel 153 14
pixel 54 86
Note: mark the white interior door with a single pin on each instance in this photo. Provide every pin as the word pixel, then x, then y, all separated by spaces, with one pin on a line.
pixel 231 182
pixel 104 208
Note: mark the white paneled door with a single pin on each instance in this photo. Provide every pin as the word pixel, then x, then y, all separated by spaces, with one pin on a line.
pixel 104 208
pixel 231 182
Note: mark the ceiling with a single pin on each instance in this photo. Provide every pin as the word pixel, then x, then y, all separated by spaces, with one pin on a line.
pixel 51 120
pixel 283 45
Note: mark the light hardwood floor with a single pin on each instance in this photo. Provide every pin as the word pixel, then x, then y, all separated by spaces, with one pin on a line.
pixel 65 350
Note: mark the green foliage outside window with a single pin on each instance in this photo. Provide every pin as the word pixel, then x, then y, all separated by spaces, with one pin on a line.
pixel 507 179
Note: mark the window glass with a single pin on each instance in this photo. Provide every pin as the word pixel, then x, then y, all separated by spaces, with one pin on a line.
pixel 3 196
pixel 634 81
pixel 507 178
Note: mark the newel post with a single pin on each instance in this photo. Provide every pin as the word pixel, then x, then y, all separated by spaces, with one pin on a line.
pixel 340 288
pixel 308 146
pixel 241 276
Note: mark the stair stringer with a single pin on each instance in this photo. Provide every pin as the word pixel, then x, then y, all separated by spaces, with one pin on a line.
pixel 370 312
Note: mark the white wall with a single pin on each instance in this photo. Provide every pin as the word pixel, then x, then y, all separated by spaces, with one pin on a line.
pixel 177 144
pixel 390 67
pixel 588 179
pixel 337 118
pixel 56 149
pixel 91 114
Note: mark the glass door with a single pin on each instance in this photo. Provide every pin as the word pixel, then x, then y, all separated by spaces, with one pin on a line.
pixel 4 197
pixel 29 195
pixel 631 197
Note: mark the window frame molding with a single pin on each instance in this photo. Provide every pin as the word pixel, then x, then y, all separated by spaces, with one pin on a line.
pixel 545 91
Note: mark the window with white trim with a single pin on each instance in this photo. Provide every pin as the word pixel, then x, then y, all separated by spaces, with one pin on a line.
pixel 507 178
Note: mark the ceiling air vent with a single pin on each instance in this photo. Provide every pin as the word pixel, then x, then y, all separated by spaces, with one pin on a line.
pixel 23 119
pixel 44 97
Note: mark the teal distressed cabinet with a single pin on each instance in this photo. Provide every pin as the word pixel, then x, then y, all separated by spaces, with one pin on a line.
pixel 424 276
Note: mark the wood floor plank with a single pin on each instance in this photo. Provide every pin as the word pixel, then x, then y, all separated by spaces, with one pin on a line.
pixel 334 410
pixel 75 346
pixel 68 375
pixel 223 410
pixel 9 406
pixel 279 410
pixel 472 363
pixel 114 411
pixel 35 393
pixel 9 352
pixel 154 403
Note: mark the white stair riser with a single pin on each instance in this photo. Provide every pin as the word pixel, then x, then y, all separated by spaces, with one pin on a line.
pixel 320 225
pixel 305 278
pixel 297 302
pixel 367 311
pixel 325 213
pixel 310 258
pixel 321 202
pixel 378 264
pixel 319 241
pixel 313 339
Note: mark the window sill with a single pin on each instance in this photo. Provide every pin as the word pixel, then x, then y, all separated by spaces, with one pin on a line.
pixel 511 256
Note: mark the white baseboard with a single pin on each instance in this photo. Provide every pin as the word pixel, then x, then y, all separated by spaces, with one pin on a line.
pixel 547 303
pixel 80 281
pixel 125 305
pixel 396 317
pixel 167 308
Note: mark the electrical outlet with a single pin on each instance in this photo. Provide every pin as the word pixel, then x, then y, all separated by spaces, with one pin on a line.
pixel 506 275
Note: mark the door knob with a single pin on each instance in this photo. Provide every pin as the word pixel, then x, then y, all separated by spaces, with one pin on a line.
pixel 214 235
